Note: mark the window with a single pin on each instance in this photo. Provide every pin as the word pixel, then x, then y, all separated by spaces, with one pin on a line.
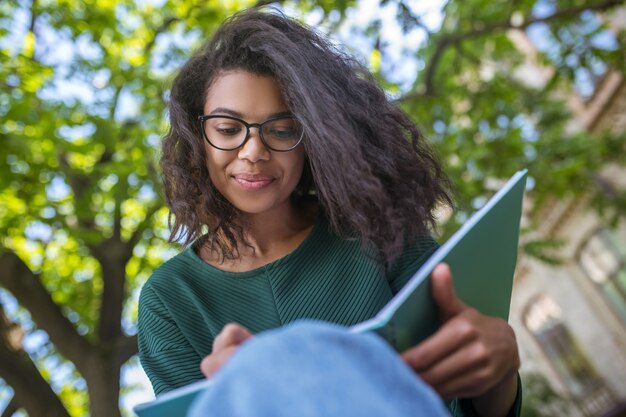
pixel 543 318
pixel 603 260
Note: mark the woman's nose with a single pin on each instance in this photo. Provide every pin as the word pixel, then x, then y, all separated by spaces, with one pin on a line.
pixel 254 149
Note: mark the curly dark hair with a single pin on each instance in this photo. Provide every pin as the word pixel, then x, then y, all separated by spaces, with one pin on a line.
pixel 367 163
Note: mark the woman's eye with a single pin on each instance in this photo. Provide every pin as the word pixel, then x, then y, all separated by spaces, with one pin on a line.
pixel 228 131
pixel 282 133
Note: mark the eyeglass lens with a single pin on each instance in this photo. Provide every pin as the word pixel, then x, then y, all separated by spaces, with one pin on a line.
pixel 227 133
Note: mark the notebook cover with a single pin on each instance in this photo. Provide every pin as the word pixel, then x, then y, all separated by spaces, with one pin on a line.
pixel 482 255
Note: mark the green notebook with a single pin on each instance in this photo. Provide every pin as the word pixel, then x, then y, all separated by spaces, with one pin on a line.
pixel 482 255
pixel 174 403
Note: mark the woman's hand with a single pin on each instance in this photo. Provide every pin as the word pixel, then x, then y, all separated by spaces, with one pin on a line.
pixel 224 345
pixel 470 356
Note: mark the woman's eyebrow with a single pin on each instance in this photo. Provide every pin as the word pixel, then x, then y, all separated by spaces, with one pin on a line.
pixel 230 112
pixel 280 114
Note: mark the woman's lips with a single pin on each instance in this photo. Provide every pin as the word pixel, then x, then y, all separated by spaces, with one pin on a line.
pixel 253 181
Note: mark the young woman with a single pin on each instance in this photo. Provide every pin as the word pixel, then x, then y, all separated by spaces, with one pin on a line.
pixel 302 193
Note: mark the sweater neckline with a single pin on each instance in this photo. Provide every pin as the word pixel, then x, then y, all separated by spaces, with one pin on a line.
pixel 317 228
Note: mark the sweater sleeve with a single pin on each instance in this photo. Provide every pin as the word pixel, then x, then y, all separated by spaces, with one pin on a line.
pixel 165 354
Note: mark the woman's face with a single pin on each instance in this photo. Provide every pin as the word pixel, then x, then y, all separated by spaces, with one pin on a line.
pixel 253 178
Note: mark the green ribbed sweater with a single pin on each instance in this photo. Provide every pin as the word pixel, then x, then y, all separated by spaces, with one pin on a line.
pixel 186 302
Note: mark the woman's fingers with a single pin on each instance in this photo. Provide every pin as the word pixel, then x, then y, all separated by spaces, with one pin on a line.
pixel 460 362
pixel 469 354
pixel 211 363
pixel 232 334
pixel 451 336
pixel 224 345
pixel 442 287
pixel 470 371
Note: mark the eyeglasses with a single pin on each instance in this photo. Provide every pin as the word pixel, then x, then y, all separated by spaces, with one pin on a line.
pixel 227 133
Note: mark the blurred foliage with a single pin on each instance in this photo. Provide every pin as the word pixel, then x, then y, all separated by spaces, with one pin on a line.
pixel 489 117
pixel 83 87
pixel 540 400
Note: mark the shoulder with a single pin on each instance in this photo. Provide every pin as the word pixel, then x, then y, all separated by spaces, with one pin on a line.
pixel 168 279
pixel 326 239
pixel 182 265
pixel 419 248
pixel 416 252
pixel 165 293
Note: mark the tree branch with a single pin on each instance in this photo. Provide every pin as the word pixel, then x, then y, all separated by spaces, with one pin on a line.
pixel 80 184
pixel 116 97
pixel 31 294
pixel 32 26
pixel 449 40
pixel 120 193
pixel 162 28
pixel 11 408
pixel 112 254
pixel 125 348
pixel 19 371
pixel 409 19
pixel 33 16
pixel 23 376
pixel 143 225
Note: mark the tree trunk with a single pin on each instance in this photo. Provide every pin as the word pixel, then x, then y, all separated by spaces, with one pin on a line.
pixel 103 383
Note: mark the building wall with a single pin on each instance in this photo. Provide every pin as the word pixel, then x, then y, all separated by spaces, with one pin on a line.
pixel 592 323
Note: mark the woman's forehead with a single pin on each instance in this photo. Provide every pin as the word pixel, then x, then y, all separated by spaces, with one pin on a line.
pixel 244 94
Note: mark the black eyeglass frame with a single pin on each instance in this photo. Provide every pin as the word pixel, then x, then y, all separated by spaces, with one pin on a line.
pixel 259 126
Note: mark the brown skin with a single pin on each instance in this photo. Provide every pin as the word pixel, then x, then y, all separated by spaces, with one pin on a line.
pixel 470 356
pixel 224 345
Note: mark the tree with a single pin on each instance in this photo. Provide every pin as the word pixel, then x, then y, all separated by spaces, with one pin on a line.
pixel 81 214
pixel 83 87
pixel 488 116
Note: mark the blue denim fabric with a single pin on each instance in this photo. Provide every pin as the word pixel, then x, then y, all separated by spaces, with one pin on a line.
pixel 312 369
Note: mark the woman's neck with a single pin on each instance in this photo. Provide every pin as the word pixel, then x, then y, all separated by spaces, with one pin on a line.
pixel 269 236
pixel 266 231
